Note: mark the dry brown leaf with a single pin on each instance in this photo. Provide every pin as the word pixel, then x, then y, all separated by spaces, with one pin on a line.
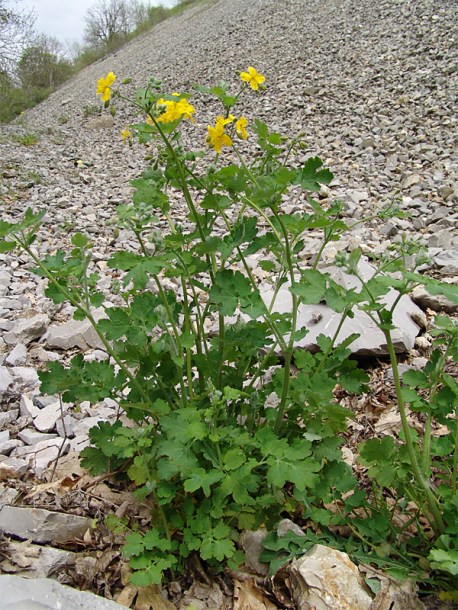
pixel 7 473
pixel 69 466
pixel 150 598
pixel 127 595
pixel 20 559
pixel 105 559
pixel 103 492
pixel 203 597
pixel 126 572
pixel 389 422
pixel 247 596
pixel 58 488
pixel 85 567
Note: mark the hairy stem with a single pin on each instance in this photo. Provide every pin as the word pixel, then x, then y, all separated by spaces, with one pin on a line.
pixel 431 501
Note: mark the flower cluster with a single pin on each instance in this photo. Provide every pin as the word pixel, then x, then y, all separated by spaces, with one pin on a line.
pixel 175 110
pixel 170 110
pixel 217 136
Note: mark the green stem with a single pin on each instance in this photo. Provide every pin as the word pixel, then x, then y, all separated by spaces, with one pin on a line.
pixel 176 336
pixel 267 317
pixel 455 456
pixel 437 522
pixel 162 514
pixel 261 213
pixel 290 347
pixel 278 285
pixel 245 166
pixel 179 347
pixel 198 330
pixel 184 187
pixel 89 316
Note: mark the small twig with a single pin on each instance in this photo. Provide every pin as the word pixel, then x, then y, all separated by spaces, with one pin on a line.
pixel 104 477
pixel 64 440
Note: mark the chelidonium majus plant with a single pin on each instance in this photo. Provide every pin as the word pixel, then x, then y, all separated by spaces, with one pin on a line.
pixel 232 424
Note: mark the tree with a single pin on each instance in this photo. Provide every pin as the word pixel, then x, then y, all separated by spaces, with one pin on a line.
pixel 16 28
pixel 42 64
pixel 107 22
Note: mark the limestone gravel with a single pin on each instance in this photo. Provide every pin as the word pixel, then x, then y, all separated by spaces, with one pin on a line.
pixel 371 85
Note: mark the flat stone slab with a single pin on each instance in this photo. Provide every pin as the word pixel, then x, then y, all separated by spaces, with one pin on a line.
pixel 40 525
pixel 26 330
pixel 73 334
pixel 41 455
pixel 35 561
pixel 322 320
pixel 46 594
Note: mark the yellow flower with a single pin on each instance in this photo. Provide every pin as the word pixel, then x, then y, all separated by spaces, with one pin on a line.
pixel 175 110
pixel 126 134
pixel 240 127
pixel 225 121
pixel 253 78
pixel 103 86
pixel 217 136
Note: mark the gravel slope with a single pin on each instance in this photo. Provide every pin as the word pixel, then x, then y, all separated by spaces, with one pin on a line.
pixel 373 85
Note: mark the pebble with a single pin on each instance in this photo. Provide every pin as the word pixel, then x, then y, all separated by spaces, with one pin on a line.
pixel 17 356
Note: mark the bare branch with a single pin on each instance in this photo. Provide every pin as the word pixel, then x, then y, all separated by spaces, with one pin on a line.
pixel 16 30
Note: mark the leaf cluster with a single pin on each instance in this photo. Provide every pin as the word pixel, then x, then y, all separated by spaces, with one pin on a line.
pixel 231 426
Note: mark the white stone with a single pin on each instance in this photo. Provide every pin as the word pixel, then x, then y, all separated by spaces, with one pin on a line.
pixel 17 356
pixel 27 329
pixel 7 447
pixel 326 579
pixel 32 437
pixel 6 379
pixel 46 594
pixel 6 417
pixel 41 455
pixel 436 302
pixel 65 427
pixel 47 417
pixel 27 405
pixel 81 429
pixel 25 376
pixel 73 334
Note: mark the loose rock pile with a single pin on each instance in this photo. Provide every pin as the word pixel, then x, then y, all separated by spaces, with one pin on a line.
pixel 370 84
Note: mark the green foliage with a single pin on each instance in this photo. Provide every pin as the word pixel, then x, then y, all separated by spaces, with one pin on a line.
pixel 39 65
pixel 232 426
pixel 42 65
